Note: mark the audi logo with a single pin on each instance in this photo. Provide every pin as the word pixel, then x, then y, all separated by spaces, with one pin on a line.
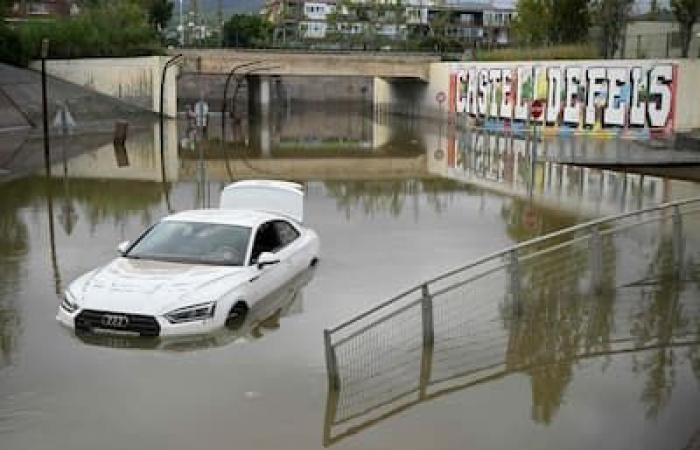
pixel 114 320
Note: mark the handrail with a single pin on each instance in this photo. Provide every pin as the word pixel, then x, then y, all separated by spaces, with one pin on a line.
pixel 513 248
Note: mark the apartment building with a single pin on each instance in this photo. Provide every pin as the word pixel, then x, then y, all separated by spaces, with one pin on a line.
pixel 319 20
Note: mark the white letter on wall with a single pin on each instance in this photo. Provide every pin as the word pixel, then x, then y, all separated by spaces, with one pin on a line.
pixel 659 104
pixel 506 100
pixel 638 107
pixel 573 81
pixel 461 92
pixel 524 78
pixel 483 91
pixel 618 78
pixel 554 94
pixel 596 90
pixel 472 92
pixel 495 81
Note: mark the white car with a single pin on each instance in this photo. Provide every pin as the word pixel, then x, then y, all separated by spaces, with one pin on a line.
pixel 197 271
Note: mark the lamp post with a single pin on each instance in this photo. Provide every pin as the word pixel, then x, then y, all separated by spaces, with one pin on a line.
pixel 224 104
pixel 44 105
pixel 162 116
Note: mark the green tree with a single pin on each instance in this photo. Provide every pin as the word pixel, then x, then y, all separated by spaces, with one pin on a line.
pixel 569 22
pixel 532 22
pixel 541 22
pixel 687 13
pixel 246 30
pixel 159 13
pixel 611 16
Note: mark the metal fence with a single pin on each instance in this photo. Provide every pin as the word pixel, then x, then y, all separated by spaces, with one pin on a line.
pixel 570 294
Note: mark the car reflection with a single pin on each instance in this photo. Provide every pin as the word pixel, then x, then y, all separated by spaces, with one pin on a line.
pixel 263 318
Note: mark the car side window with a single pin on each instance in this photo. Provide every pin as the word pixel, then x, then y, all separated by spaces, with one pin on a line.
pixel 266 240
pixel 286 232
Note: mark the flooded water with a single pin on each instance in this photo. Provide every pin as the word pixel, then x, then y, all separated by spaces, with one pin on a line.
pixel 394 202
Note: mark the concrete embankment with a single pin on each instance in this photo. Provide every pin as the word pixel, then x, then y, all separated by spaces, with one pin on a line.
pixel 93 116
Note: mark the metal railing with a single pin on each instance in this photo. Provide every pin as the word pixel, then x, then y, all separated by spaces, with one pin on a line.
pixel 477 321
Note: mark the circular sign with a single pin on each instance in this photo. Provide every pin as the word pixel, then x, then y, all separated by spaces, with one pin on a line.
pixel 440 97
pixel 536 109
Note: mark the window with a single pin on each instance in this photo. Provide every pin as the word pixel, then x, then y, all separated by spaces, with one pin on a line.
pixel 287 233
pixel 193 242
pixel 272 237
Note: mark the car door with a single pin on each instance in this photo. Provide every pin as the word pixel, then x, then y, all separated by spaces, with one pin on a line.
pixel 269 278
pixel 289 237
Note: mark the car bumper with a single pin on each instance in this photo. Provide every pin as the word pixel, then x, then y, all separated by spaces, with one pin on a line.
pixel 165 328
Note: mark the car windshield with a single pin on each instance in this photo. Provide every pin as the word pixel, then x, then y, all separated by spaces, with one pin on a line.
pixel 193 242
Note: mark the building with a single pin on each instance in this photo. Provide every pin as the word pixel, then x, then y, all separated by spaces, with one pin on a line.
pixel 45 8
pixel 346 21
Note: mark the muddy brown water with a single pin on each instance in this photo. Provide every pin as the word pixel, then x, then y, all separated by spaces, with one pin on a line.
pixel 391 210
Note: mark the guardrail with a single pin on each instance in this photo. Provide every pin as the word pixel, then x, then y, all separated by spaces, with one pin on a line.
pixel 475 320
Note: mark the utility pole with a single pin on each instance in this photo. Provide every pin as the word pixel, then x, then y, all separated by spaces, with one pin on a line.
pixel 221 21
pixel 44 105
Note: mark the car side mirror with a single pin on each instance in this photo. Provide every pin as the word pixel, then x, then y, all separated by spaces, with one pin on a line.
pixel 123 247
pixel 267 259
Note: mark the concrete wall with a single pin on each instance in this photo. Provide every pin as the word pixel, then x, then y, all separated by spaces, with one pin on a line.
pixel 135 81
pixel 312 63
pixel 657 39
pixel 494 91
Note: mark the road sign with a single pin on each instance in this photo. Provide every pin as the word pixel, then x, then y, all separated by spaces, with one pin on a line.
pixel 536 109
pixel 440 97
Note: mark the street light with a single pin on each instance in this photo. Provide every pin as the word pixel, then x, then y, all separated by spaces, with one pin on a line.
pixel 162 125
pixel 44 105
pixel 224 105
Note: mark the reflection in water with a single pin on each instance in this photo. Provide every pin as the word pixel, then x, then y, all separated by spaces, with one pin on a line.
pixel 557 310
pixel 367 166
pixel 14 245
pixel 263 318
pixel 508 164
pixel 372 197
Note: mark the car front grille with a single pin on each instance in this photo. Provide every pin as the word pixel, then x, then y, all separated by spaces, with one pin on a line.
pixel 88 319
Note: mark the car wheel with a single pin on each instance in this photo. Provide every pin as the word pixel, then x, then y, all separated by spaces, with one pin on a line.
pixel 237 315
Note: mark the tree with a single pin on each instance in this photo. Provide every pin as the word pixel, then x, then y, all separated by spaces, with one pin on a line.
pixel 541 22
pixel 687 13
pixel 246 30
pixel 532 21
pixel 611 16
pixel 569 21
pixel 159 13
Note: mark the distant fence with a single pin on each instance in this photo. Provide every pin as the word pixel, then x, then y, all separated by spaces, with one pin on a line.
pixel 568 295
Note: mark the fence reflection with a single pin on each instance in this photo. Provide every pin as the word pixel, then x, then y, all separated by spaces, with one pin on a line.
pixel 627 284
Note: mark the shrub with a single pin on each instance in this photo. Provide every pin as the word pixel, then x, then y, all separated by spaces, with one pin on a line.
pixel 573 51
pixel 112 29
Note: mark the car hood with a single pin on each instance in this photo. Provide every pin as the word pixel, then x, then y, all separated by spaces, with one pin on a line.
pixel 153 287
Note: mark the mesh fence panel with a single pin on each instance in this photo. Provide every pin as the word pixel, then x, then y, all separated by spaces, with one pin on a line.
pixel 597 289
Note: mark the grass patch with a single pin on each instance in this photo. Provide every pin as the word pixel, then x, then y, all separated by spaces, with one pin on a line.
pixel 575 51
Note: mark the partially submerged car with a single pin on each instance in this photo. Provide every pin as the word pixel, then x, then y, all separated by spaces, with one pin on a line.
pixel 195 271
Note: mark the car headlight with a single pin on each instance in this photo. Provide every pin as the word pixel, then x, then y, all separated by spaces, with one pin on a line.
pixel 201 311
pixel 69 304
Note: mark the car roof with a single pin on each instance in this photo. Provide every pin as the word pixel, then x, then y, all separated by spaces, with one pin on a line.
pixel 239 217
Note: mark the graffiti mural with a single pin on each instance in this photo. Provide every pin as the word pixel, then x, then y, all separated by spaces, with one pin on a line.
pixel 629 98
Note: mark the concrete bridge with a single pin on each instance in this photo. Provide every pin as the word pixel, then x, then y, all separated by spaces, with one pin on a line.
pixel 391 66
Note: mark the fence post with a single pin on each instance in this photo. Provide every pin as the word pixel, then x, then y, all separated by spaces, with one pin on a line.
pixel 331 363
pixel 596 248
pixel 514 287
pixel 428 340
pixel 678 244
